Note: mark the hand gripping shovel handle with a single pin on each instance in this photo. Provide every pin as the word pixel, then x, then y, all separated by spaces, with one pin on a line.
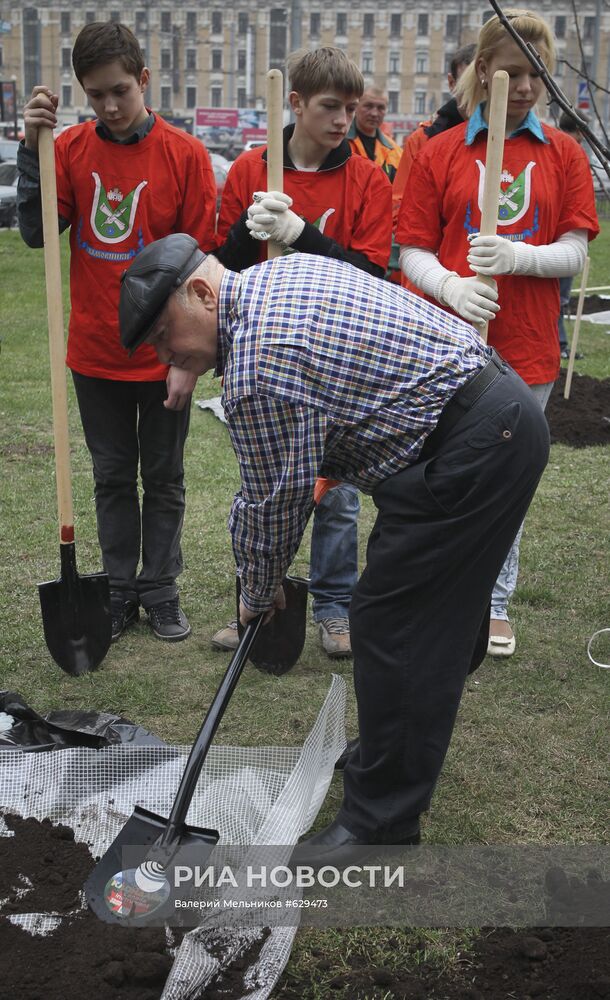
pixel 46 151
pixel 275 145
pixel 493 163
pixel 165 846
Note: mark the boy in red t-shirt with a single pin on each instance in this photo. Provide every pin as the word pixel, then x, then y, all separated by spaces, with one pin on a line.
pixel 335 204
pixel 123 181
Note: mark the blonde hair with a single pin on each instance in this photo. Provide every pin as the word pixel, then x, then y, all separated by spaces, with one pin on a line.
pixel 326 68
pixel 531 27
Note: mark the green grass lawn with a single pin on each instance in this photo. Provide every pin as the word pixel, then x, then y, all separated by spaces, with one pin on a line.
pixel 526 761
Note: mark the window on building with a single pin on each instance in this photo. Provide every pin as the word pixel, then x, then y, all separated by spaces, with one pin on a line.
pixel 419 102
pixel 367 62
pixel 66 57
pixel 559 68
pixel 64 22
pixel 242 24
pixel 241 97
pixel 560 27
pixel 141 22
pixel 191 59
pixel 368 25
pixel 166 20
pixel 66 95
pixel 191 22
pixel 278 36
pixel 394 62
pixel 393 96
pixel 166 58
pixel 421 62
pixel 589 29
pixel 395 25
pixel 452 24
pixel 217 23
pixel 166 98
pixel 115 15
pixel 191 97
pixel 422 24
pixel 314 24
pixel 216 97
pixel 342 24
pixel 89 17
pixel 241 60
pixel 216 58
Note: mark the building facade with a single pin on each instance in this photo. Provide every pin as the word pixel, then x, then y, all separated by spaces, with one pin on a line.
pixel 215 55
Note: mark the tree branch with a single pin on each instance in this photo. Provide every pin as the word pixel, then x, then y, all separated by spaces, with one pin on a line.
pixel 583 61
pixel 556 94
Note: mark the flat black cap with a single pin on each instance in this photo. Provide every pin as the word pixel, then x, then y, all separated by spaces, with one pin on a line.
pixel 158 270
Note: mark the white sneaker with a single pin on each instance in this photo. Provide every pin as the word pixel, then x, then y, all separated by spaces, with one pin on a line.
pixel 501 638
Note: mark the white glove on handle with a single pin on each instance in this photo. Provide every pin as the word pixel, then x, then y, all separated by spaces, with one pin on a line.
pixel 491 255
pixel 270 218
pixel 470 298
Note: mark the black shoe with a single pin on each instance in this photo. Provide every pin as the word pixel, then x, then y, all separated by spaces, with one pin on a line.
pixel 124 613
pixel 168 621
pixel 336 845
pixel 345 756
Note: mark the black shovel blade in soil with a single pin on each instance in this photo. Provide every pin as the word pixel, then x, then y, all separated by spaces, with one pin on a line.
pixel 280 642
pixel 129 885
pixel 133 881
pixel 76 616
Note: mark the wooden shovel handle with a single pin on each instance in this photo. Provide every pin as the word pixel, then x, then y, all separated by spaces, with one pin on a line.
pixel 493 162
pixel 55 319
pixel 275 144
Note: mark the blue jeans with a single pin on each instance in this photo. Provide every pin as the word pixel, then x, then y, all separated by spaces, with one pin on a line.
pixel 333 567
pixel 507 581
pixel 565 287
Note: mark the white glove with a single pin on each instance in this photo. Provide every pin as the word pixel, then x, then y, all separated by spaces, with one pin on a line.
pixel 270 218
pixel 470 298
pixel 491 255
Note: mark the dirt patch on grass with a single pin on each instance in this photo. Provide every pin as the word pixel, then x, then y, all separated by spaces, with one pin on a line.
pixel 584 418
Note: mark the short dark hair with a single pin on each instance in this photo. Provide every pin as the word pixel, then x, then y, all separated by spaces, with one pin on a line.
pixel 103 42
pixel 327 68
pixel 462 57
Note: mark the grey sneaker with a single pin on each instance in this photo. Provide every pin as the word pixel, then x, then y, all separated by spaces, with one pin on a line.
pixel 334 633
pixel 168 621
pixel 226 638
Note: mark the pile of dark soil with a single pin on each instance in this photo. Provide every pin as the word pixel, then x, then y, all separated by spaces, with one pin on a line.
pixel 83 957
pixel 592 304
pixel 584 418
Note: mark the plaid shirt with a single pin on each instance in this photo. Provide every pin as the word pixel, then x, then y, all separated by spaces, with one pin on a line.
pixel 327 372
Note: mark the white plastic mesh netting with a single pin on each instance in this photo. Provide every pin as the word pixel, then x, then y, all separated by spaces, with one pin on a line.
pixel 258 796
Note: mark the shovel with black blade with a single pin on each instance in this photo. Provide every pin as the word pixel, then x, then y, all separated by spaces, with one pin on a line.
pixel 132 883
pixel 75 609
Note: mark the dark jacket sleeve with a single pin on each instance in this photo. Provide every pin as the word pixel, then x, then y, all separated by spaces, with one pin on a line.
pixel 239 250
pixel 29 205
pixel 312 240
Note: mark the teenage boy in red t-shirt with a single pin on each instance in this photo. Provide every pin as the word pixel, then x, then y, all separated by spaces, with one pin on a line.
pixel 124 180
pixel 335 204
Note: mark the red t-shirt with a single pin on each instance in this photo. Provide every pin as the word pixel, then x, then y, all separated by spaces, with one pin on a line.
pixel 547 191
pixel 118 199
pixel 350 203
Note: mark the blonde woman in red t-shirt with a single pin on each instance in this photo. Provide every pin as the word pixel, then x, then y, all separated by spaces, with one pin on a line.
pixel 546 217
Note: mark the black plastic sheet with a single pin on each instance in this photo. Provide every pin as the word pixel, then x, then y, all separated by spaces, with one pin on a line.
pixel 21 726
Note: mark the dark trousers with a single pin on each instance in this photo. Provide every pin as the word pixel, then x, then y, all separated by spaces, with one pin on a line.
pixel 126 425
pixel 419 613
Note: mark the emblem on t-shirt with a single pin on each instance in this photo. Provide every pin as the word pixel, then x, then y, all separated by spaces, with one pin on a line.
pixel 112 213
pixel 515 193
